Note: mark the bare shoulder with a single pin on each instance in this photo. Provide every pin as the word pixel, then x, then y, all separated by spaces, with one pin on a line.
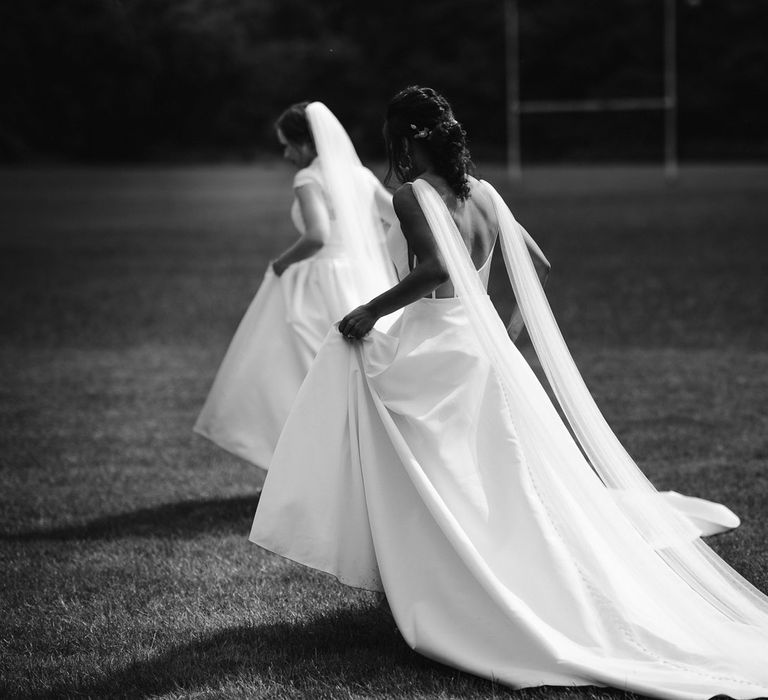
pixel 482 200
pixel 405 202
pixel 404 193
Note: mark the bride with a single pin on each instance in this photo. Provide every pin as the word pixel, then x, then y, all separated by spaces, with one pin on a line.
pixel 428 462
pixel 307 288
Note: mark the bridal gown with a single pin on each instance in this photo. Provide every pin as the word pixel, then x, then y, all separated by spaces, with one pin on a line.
pixel 279 337
pixel 402 469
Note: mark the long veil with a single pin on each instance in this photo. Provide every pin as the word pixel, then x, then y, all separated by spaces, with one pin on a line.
pixel 610 518
pixel 352 192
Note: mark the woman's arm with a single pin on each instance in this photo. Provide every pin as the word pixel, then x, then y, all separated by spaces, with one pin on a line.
pixel 542 267
pixel 383 198
pixel 316 222
pixel 428 274
pixel 540 262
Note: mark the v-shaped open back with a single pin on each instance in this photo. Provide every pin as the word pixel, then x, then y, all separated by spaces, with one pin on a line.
pixel 404 262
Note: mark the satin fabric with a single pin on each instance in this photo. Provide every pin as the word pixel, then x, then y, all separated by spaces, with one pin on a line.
pixel 281 332
pixel 285 324
pixel 271 353
pixel 431 497
pixel 704 517
pixel 403 468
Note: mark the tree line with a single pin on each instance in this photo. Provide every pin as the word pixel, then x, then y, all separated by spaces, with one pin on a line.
pixel 105 80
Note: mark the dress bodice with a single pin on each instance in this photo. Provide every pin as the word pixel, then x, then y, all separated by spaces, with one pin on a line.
pixel 312 174
pixel 398 252
pixel 361 183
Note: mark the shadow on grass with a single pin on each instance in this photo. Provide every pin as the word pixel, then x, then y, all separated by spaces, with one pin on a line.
pixel 178 520
pixel 342 654
pixel 344 650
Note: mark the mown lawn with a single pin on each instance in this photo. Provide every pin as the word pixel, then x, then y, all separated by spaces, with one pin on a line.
pixel 125 565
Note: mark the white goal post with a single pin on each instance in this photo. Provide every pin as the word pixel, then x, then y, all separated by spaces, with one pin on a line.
pixel 516 108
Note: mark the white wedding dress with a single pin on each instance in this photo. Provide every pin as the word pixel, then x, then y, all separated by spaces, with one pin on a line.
pixel 411 464
pixel 276 341
pixel 285 324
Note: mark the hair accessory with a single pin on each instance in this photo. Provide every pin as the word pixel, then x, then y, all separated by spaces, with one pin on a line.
pixel 420 134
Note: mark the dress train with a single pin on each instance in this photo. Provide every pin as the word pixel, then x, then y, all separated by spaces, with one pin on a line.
pixel 433 497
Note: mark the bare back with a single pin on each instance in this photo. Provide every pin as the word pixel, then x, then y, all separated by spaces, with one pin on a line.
pixel 475 219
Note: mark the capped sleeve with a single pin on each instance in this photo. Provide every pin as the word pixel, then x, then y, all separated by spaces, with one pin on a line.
pixel 307 176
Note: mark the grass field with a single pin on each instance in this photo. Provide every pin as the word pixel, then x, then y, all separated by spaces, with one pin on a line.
pixel 125 565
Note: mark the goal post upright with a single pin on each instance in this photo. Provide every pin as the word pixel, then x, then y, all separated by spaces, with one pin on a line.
pixel 515 107
pixel 670 89
pixel 512 59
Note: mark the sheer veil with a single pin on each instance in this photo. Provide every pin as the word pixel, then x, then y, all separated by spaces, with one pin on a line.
pixel 608 515
pixel 353 192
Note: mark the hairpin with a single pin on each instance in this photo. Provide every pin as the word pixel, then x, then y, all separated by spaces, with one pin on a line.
pixel 420 134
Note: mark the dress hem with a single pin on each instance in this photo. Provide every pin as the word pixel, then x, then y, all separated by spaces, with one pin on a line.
pixel 322 570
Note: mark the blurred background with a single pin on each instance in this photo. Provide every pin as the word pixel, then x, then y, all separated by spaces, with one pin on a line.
pixel 170 80
pixel 142 197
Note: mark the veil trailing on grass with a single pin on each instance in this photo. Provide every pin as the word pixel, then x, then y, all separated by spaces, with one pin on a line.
pixel 609 517
pixel 353 192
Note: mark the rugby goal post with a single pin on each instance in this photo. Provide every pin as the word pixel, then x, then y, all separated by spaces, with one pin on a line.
pixel 516 107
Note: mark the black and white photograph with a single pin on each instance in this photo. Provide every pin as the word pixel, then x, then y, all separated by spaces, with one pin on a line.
pixel 384 350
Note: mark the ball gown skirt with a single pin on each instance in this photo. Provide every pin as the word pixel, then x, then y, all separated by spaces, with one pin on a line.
pixel 271 352
pixel 400 469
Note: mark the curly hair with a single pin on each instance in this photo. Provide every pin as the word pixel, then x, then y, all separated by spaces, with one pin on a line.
pixel 294 124
pixel 424 114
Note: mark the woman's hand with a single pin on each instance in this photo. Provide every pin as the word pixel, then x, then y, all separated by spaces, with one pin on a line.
pixel 357 323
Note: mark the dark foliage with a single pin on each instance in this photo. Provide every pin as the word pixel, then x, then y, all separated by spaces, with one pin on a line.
pixel 155 79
